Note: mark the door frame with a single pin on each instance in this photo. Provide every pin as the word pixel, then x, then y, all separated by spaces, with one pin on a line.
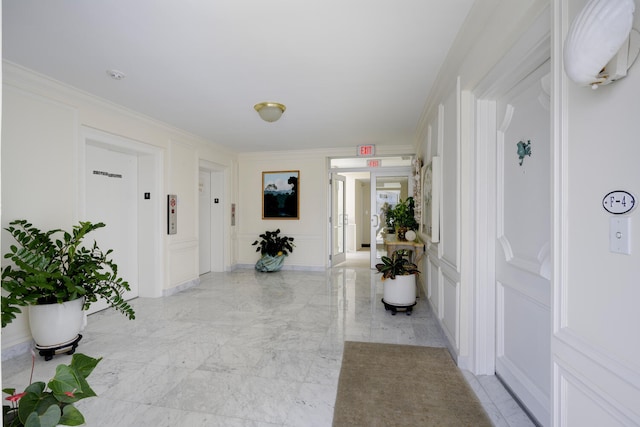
pixel 527 54
pixel 341 257
pixel 403 171
pixel 343 170
pixel 219 238
pixel 150 223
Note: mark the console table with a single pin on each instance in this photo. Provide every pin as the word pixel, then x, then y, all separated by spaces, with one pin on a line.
pixel 392 244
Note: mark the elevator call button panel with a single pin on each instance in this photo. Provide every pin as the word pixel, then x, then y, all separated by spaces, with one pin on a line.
pixel 172 214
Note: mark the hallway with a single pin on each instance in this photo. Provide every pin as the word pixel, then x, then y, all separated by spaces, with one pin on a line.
pixel 245 349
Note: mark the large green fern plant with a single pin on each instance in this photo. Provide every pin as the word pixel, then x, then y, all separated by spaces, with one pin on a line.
pixel 54 267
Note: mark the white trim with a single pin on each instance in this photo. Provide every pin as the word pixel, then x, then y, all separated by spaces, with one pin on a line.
pixel 559 232
pixel 151 280
pixel 211 167
pixel 484 297
pixel 527 54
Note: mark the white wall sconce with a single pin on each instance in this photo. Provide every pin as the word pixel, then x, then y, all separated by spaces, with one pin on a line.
pixel 601 44
pixel 270 111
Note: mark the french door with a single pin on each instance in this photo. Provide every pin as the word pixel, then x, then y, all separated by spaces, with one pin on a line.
pixel 338 219
pixel 387 189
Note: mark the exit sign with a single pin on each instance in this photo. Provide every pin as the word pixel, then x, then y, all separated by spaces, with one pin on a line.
pixel 366 150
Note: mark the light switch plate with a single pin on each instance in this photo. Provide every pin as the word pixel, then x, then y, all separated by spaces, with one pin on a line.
pixel 620 235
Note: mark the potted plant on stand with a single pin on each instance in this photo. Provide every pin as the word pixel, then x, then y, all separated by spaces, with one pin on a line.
pixel 399 277
pixel 273 248
pixel 57 277
pixel 404 219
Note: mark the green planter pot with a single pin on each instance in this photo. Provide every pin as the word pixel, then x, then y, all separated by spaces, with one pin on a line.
pixel 270 263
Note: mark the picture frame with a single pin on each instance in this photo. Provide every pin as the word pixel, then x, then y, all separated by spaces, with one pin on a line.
pixel 431 184
pixel 281 194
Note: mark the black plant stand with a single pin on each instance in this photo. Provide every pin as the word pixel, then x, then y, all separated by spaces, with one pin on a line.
pixel 68 348
pixel 394 308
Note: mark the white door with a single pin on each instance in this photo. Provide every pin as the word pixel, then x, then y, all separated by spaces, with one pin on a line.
pixel 523 288
pixel 111 197
pixel 387 189
pixel 211 221
pixel 218 220
pixel 338 219
pixel 204 191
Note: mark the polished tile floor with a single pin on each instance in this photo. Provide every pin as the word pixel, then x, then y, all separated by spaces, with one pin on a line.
pixel 245 349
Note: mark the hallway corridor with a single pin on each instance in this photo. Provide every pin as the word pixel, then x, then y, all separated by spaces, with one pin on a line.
pixel 245 349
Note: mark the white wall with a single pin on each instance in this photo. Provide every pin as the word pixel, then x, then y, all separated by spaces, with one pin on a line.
pixel 41 132
pixel 309 232
pixel 595 346
pixel 595 350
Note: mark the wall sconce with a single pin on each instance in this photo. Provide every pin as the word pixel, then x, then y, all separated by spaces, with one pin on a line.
pixel 601 44
pixel 270 111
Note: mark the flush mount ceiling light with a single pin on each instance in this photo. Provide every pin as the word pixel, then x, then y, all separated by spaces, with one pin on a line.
pixel 601 44
pixel 270 111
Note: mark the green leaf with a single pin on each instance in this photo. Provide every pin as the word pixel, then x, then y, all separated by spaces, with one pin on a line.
pixel 64 381
pixel 49 418
pixel 71 416
pixel 36 402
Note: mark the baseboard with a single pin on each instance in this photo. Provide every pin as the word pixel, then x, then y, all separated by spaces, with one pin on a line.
pixel 284 267
pixel 183 286
pixel 17 350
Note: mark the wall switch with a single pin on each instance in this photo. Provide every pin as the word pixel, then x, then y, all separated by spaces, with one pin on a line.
pixel 619 235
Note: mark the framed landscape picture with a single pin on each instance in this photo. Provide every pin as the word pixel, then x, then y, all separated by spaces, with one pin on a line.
pixel 281 195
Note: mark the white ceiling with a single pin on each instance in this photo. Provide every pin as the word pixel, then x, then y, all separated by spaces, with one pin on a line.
pixel 349 71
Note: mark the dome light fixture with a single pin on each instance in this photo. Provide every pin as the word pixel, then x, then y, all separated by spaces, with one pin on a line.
pixel 270 111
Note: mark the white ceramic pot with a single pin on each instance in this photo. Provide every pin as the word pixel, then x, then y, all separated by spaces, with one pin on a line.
pixel 56 324
pixel 400 291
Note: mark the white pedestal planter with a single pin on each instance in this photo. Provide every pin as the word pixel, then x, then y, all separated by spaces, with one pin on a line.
pixel 400 293
pixel 56 325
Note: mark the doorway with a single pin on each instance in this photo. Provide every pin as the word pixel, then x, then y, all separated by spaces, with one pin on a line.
pixel 112 183
pixel 120 184
pixel 514 223
pixel 354 204
pixel 211 220
pixel 388 188
pixel 339 219
pixel 522 263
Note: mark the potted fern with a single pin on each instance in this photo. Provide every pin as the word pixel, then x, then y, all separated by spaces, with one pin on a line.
pixel 53 273
pixel 399 277
pixel 274 248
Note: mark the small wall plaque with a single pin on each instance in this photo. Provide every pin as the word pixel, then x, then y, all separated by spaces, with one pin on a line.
pixel 619 202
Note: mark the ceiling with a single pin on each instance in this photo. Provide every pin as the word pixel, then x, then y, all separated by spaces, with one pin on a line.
pixel 350 72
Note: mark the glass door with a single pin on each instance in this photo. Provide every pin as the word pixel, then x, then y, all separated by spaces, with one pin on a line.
pixel 387 189
pixel 338 219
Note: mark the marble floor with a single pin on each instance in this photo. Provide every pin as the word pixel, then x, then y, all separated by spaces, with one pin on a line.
pixel 244 349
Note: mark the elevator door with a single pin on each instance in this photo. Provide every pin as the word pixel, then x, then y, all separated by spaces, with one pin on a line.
pixel 211 221
pixel 111 189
